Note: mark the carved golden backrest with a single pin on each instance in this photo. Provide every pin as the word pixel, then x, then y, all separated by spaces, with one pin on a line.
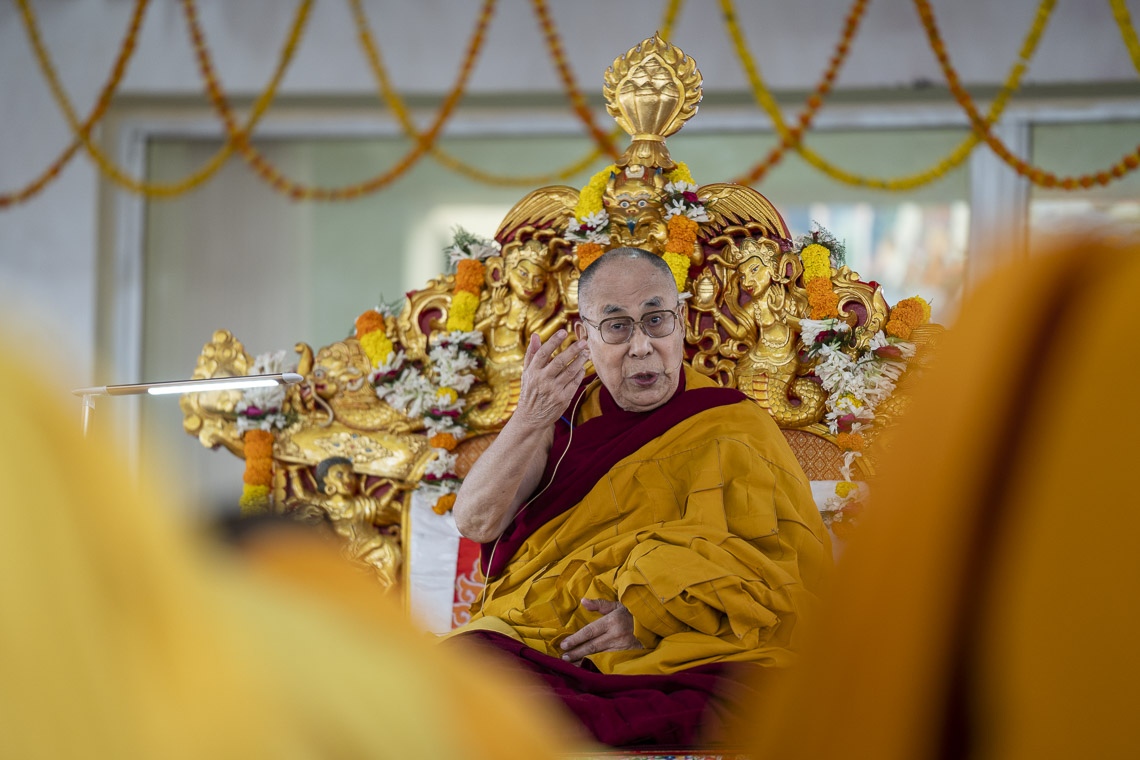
pixel 391 400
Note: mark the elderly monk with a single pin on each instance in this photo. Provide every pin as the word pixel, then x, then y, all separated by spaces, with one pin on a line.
pixel 644 531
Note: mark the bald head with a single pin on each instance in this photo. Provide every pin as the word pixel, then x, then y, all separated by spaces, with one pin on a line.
pixel 621 258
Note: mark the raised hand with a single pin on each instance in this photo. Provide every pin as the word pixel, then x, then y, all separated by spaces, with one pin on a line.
pixel 548 381
pixel 613 631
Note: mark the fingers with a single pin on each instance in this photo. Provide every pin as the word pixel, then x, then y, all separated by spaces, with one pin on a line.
pixel 612 631
pixel 603 606
pixel 531 349
pixel 549 380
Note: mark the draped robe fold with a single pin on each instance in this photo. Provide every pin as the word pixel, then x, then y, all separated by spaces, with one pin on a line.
pixel 697 517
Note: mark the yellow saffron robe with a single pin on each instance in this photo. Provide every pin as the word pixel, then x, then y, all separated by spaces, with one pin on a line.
pixel 707 534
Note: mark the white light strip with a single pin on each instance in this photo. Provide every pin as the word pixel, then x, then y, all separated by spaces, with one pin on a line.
pixel 193 386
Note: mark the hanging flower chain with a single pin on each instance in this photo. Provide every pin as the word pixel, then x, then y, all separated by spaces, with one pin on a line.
pixel 817 279
pixel 856 382
pixel 259 413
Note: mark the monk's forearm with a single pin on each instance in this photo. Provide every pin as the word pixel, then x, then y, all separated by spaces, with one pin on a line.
pixel 500 479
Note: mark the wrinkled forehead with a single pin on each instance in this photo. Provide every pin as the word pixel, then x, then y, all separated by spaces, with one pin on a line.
pixel 627 288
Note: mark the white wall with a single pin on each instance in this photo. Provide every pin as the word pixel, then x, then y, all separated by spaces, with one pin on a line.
pixel 52 246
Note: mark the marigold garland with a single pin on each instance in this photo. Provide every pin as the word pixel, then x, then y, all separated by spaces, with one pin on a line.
pixel 680 173
pixel 377 346
pixel 258 476
pixel 906 315
pixel 469 276
pixel 236 135
pixel 850 441
pixel 590 197
pixel 462 314
pixel 399 108
pixel 981 127
pixel 369 321
pixel 822 298
pixel 682 235
pixel 679 266
pixel 817 262
pixel 126 51
pixel 254 499
pixel 587 254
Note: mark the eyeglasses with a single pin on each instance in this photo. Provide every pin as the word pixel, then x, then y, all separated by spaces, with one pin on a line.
pixel 655 324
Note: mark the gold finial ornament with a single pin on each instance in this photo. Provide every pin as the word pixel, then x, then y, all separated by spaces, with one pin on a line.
pixel 651 92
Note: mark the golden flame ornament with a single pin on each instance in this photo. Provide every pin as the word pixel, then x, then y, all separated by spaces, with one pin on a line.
pixel 651 92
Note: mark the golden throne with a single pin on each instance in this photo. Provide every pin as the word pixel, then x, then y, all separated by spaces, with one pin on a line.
pixel 404 406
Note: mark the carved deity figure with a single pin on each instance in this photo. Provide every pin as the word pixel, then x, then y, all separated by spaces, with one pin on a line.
pixel 368 526
pixel 523 299
pixel 769 325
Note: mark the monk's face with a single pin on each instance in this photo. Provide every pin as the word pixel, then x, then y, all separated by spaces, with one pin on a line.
pixel 643 373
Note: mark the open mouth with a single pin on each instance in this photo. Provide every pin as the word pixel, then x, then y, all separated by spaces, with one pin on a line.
pixel 644 378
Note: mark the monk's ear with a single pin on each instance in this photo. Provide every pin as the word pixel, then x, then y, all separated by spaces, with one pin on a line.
pixel 580 330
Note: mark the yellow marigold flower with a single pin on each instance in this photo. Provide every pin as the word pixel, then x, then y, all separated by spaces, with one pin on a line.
pixel 680 173
pixel 590 199
pixel 254 499
pixel 369 321
pixel 817 262
pixel 843 488
pixel 462 315
pixel 469 276
pixel 447 395
pixel 850 441
pixel 377 347
pixel 680 267
pixel 444 505
pixel 587 254
pixel 444 441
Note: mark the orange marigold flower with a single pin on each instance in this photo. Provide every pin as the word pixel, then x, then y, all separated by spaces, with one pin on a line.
pixel 444 505
pixel 897 329
pixel 587 254
pixel 444 441
pixel 909 313
pixel 258 444
pixel 469 276
pixel 850 441
pixel 682 235
pixel 823 299
pixel 258 472
pixel 369 321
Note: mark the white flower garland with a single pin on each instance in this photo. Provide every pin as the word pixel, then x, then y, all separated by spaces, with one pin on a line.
pixel 855 385
pixel 677 204
pixel 436 396
pixel 592 228
pixel 262 408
